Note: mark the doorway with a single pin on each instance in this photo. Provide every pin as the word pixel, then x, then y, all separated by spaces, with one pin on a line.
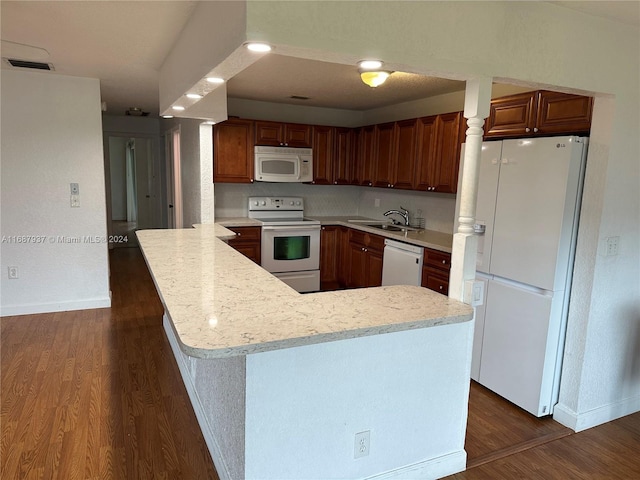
pixel 133 197
pixel 174 178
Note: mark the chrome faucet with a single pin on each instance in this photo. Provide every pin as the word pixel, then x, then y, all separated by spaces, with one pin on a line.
pixel 403 212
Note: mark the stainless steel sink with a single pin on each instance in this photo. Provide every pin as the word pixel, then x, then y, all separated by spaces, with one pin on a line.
pixel 392 228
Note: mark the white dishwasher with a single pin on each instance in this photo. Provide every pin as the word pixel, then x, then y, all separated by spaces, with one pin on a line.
pixel 402 263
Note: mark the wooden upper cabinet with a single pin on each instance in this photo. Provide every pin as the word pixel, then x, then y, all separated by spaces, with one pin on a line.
pixel 561 112
pixel 438 153
pixel 322 155
pixel 233 151
pixel 344 156
pixel 511 116
pixel 384 169
pixel 366 156
pixel 426 151
pixel 444 174
pixel 539 113
pixel 279 134
pixel 406 148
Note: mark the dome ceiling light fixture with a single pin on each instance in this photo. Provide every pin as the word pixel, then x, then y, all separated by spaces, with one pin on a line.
pixel 371 73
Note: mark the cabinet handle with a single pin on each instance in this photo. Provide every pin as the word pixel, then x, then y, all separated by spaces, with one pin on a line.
pixel 535 130
pixel 441 287
pixel 527 129
pixel 335 182
pixel 444 261
pixel 369 183
pixel 238 234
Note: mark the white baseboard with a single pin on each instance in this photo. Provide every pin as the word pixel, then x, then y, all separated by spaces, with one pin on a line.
pixel 212 444
pixel 592 418
pixel 428 470
pixel 30 309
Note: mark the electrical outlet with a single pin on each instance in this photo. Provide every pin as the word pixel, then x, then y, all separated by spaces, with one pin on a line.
pixel 75 188
pixel 13 273
pixel 611 246
pixel 362 444
pixel 75 201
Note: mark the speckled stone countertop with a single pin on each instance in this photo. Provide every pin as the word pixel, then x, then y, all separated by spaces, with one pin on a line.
pixel 222 304
pixel 423 238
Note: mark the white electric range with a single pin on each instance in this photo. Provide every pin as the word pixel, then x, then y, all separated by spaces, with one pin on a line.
pixel 290 242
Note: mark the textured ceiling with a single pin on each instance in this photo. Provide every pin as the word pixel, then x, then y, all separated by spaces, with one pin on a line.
pixel 275 78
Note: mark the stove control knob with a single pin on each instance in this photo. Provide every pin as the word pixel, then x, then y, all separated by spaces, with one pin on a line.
pixel 298 203
pixel 291 202
pixel 256 203
pixel 263 203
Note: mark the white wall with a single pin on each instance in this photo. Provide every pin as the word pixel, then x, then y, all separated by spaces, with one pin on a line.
pixel 52 136
pixel 304 406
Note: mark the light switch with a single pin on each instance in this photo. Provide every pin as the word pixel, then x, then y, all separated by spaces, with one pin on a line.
pixel 75 189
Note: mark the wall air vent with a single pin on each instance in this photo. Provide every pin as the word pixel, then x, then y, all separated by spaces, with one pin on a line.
pixel 298 97
pixel 27 64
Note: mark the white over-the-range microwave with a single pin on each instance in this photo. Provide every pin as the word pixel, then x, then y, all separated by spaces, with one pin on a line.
pixel 283 164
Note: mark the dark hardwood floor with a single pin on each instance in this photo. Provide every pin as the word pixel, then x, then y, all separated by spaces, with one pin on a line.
pixel 96 394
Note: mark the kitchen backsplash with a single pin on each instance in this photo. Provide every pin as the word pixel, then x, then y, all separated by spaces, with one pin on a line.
pixel 231 200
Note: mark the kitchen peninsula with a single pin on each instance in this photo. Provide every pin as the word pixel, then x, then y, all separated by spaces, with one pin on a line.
pixel 283 384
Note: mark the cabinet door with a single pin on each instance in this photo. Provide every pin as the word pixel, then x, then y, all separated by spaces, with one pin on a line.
pixel 233 151
pixel 356 265
pixel 297 135
pixel 343 156
pixel 512 116
pixel 426 151
pixel 406 145
pixel 247 242
pixel 323 155
pixel 374 268
pixel 269 133
pixel 384 155
pixel 330 247
pixel 563 113
pixel 366 159
pixel 444 168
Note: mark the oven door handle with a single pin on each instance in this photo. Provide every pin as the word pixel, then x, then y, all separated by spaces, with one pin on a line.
pixel 291 227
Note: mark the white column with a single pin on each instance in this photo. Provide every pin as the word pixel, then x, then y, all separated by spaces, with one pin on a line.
pixel 464 250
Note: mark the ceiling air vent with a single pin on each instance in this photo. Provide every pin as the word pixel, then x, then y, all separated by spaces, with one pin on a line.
pixel 298 97
pixel 27 64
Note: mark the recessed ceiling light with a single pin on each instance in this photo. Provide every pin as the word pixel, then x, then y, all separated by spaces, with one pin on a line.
pixel 258 47
pixel 215 80
pixel 195 96
pixel 178 108
pixel 210 122
pixel 167 116
pixel 370 64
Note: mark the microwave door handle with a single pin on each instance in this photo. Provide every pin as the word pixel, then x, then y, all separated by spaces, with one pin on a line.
pixel 299 166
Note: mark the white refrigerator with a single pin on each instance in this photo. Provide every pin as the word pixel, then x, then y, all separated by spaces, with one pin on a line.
pixel 529 200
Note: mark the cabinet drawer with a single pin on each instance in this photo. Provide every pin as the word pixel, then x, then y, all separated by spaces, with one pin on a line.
pixel 435 280
pixel 436 259
pixel 245 233
pixel 369 240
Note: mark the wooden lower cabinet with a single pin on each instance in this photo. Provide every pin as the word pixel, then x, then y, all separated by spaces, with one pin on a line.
pixel 331 255
pixel 435 271
pixel 247 241
pixel 364 259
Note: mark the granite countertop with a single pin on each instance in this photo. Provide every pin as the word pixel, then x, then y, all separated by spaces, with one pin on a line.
pixel 424 238
pixel 222 304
